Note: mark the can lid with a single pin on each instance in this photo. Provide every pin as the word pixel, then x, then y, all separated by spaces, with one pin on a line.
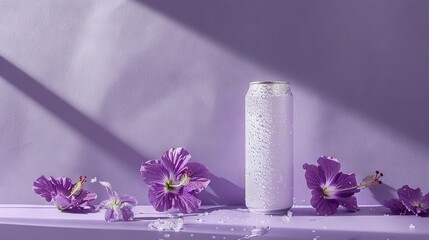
pixel 269 82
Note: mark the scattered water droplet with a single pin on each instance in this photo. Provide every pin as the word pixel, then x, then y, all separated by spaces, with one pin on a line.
pixel 199 220
pixel 166 235
pixel 256 232
pixel 232 229
pixel 191 234
pixel 174 224
pixel 213 236
pixel 412 227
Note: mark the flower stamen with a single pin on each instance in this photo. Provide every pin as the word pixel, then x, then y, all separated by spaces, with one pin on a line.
pixel 184 180
pixel 368 182
pixel 371 180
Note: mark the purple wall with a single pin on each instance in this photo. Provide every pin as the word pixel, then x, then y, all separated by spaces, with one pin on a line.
pixel 97 87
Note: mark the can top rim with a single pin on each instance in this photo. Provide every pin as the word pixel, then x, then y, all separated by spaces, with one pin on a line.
pixel 269 82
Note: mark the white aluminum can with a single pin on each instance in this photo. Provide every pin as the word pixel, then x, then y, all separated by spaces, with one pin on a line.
pixel 269 147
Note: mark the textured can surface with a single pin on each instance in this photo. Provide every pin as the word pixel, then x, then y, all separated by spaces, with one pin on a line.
pixel 269 147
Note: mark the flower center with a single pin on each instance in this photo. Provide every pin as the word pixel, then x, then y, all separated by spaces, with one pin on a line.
pixel 328 190
pixel 184 180
pixel 169 185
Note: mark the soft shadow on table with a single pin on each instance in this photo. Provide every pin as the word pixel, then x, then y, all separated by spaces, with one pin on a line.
pixel 222 191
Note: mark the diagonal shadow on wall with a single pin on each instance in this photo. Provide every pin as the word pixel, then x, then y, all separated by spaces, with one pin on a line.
pixel 99 135
pixel 369 56
pixel 68 114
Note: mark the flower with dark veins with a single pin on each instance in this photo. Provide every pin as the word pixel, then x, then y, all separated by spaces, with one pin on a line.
pixel 330 187
pixel 174 181
pixel 65 195
pixel 411 201
pixel 117 208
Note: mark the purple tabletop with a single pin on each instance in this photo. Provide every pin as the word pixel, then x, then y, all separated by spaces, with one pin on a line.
pixel 211 222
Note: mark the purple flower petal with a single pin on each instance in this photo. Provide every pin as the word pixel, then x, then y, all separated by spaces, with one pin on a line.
pixel 199 177
pixel 330 167
pixel 350 203
pixel 411 198
pixel 128 199
pixel 186 202
pixel 85 199
pixel 313 176
pixel 395 206
pixel 156 171
pixel 43 187
pixel 126 212
pixel 62 202
pixel 63 186
pixel 323 206
pixel 179 157
pixel 81 201
pixel 159 198
pixel 111 215
pixel 345 181
pixel 425 203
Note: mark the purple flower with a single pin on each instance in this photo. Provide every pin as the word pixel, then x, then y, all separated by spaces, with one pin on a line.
pixel 330 187
pixel 411 201
pixel 174 181
pixel 117 208
pixel 64 194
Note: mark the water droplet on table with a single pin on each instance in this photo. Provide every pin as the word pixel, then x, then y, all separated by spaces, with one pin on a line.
pixel 174 224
